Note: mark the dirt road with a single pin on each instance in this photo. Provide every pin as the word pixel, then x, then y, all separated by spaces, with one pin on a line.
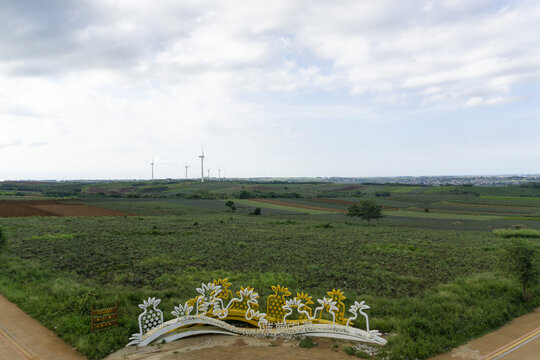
pixel 23 338
pixel 519 340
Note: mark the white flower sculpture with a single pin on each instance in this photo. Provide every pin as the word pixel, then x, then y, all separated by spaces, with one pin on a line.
pixel 357 308
pixel 208 292
pixel 181 311
pixel 294 303
pixel 329 305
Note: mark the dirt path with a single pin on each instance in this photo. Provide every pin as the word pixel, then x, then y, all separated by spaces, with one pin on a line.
pixel 218 347
pixel 23 338
pixel 519 340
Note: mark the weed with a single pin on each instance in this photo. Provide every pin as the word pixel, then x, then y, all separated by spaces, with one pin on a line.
pixel 306 342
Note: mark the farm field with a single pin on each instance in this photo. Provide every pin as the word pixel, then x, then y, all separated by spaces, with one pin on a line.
pixel 433 279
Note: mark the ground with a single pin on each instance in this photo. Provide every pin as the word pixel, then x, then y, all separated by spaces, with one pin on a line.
pixel 214 347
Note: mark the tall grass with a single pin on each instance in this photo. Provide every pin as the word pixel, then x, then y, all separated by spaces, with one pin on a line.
pixel 517 233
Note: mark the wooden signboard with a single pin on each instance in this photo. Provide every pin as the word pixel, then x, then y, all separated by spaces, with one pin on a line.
pixel 104 318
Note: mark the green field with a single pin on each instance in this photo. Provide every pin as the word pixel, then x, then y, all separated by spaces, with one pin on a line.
pixel 433 279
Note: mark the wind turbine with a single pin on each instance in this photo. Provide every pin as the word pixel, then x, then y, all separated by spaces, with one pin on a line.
pixel 186 166
pixel 209 174
pixel 219 174
pixel 152 164
pixel 202 165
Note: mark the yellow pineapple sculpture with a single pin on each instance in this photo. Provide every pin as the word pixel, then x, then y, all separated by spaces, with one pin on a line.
pixel 275 303
pixel 306 300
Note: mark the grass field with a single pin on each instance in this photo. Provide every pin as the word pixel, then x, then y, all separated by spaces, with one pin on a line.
pixel 429 283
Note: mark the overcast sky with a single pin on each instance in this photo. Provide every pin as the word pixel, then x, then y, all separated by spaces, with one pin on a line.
pixel 96 89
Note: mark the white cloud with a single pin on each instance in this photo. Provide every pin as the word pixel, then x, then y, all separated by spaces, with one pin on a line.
pixel 137 78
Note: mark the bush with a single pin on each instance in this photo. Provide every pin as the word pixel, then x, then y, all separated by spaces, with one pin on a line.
pixel 2 239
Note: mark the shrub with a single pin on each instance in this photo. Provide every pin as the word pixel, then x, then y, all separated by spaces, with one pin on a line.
pixel 2 239
pixel 306 342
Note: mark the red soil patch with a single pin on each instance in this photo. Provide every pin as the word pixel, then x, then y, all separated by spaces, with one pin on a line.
pixel 301 206
pixel 353 203
pixel 16 208
pixel 350 187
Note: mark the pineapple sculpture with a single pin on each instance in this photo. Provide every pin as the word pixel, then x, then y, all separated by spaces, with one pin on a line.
pixel 239 306
pixel 151 317
pixel 338 296
pixel 225 294
pixel 275 303
pixel 306 300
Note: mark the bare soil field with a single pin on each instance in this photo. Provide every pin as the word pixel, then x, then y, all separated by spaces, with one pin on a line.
pixel 17 208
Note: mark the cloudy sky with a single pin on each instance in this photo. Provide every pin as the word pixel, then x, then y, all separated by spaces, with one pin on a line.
pixel 96 89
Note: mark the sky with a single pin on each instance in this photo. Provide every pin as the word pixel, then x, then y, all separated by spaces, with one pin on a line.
pixel 98 89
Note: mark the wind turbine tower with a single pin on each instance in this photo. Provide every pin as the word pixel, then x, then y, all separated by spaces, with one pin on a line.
pixel 202 165
pixel 186 166
pixel 219 174
pixel 208 173
pixel 152 164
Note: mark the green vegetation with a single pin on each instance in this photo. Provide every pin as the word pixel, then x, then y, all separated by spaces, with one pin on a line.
pixel 517 233
pixel 429 283
pixel 367 210
pixel 307 342
pixel 521 260
pixel 2 240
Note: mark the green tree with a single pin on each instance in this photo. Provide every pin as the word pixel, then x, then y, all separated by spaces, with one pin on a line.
pixel 244 194
pixel 521 260
pixel 230 205
pixel 367 210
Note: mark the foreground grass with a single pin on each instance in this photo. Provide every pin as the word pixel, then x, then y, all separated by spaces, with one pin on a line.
pixel 517 233
pixel 432 289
